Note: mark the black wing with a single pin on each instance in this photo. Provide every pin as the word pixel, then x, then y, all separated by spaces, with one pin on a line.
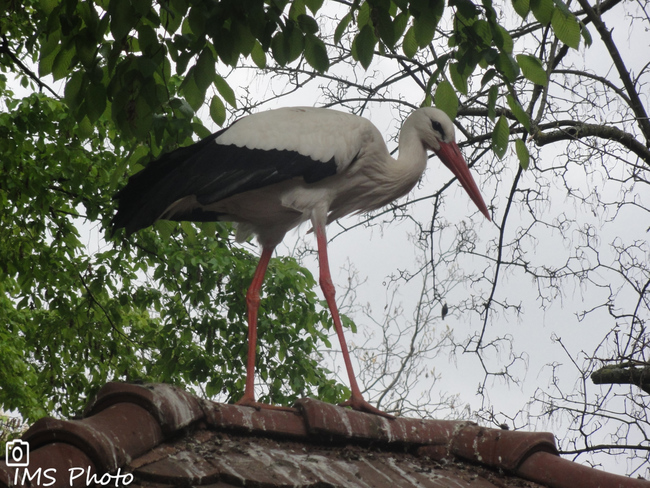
pixel 211 172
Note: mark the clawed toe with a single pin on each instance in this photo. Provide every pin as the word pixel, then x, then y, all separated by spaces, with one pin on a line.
pixel 359 404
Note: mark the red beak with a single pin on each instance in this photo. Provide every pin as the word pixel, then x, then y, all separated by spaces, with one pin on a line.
pixel 453 159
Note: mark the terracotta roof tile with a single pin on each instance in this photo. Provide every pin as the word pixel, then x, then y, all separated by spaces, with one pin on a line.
pixel 269 422
pixel 172 407
pixel 111 438
pixel 159 436
pixel 255 461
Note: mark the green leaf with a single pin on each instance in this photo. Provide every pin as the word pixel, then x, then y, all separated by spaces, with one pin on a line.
pixel 142 119
pixel 532 69
pixel 562 7
pixel 542 10
pixel 399 24
pixel 46 63
pixel 225 91
pixel 196 20
pixel 123 18
pixel 244 40
pixel 295 43
pixel 165 228
pixel 410 45
pixel 308 24
pixel 141 6
pixel 522 7
pixel 487 77
pixel 170 21
pixel 425 27
pixel 72 90
pixel 297 9
pixel 193 94
pixel 481 29
pixel 503 39
pixel 86 128
pixel 90 17
pixel 181 109
pixel 348 323
pixel 204 70
pixel 460 81
pixel 189 231
pixel 522 153
pixel 200 129
pixel 86 48
pixel 287 45
pixel 147 38
pixel 466 10
pixel 47 6
pixel 520 114
pixel 316 53
pixel 384 27
pixel 363 17
pixel 217 111
pixel 340 28
pixel 258 55
pixel 363 46
pixel 62 62
pixel 95 102
pixel 566 28
pixel 314 5
pixel 500 137
pixel 278 49
pixel 506 64
pixel 49 51
pixel 446 99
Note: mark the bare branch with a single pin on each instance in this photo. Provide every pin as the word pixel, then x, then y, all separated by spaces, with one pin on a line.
pixel 579 130
pixel 621 374
pixel 623 72
pixel 5 49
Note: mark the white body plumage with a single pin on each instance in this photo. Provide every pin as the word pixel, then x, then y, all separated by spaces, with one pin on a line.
pixel 366 176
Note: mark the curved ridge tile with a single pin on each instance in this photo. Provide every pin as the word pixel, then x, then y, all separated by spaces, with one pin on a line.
pixel 327 419
pixel 110 438
pixel 504 449
pixel 174 408
pixel 247 419
pixel 556 472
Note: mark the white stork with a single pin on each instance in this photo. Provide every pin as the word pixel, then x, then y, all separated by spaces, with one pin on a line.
pixel 274 170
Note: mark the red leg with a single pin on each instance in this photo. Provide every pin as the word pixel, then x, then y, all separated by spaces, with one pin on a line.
pixel 253 304
pixel 356 400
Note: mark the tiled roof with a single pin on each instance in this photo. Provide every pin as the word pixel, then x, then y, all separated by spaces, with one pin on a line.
pixel 159 436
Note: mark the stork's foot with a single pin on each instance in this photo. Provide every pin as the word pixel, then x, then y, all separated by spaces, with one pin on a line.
pixel 250 402
pixel 359 404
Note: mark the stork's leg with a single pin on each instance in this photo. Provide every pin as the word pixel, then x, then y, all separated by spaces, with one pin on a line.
pixel 253 304
pixel 356 400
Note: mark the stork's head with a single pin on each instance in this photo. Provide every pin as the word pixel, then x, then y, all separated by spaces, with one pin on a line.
pixel 433 126
pixel 437 133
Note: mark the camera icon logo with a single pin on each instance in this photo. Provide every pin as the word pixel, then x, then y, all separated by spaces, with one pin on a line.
pixel 17 454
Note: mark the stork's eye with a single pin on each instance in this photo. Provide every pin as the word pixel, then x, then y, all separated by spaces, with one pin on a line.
pixel 437 126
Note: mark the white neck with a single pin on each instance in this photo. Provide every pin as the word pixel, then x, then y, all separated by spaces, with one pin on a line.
pixel 412 159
